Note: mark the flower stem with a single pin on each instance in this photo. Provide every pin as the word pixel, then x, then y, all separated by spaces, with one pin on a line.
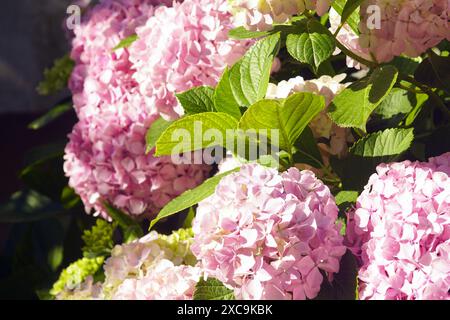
pixel 354 56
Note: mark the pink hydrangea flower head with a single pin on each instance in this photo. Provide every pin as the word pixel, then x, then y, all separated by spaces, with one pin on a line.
pixel 400 230
pixel 182 47
pixel 404 27
pixel 150 268
pixel 268 235
pixel 102 74
pixel 139 259
pixel 263 14
pixel 164 281
pixel 106 160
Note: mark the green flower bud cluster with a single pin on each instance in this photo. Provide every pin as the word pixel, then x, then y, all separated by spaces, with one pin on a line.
pixel 76 273
pixel 57 77
pixel 99 240
pixel 178 244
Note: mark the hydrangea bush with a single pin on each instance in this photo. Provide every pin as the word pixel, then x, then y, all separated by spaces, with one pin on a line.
pixel 347 195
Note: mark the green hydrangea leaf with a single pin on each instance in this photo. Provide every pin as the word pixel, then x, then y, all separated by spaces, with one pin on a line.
pixel 312 43
pixel 353 106
pixel 384 143
pixel 197 100
pixel 212 289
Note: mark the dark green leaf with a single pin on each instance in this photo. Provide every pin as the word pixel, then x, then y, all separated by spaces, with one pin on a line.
pixel 384 143
pixel 435 72
pixel 212 289
pixel 406 65
pixel 312 43
pixel 43 153
pixel 44 170
pixel 399 102
pixel 307 150
pixel 69 198
pixel 353 106
pixel 50 116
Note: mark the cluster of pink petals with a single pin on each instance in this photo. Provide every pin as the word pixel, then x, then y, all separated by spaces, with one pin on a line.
pixel 408 27
pixel 269 235
pixel 263 14
pixel 118 94
pixel 164 281
pixel 182 47
pixel 151 268
pixel 102 74
pixel 400 229
pixel 106 160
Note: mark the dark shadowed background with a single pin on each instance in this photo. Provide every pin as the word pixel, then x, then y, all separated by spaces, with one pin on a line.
pixel 31 37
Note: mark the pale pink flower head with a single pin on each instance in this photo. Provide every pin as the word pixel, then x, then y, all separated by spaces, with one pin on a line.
pixel 153 267
pixel 269 235
pixel 164 281
pixel 400 230
pixel 182 47
pixel 150 263
pixel 102 74
pixel 87 290
pixel 263 14
pixel 106 160
pixel 405 27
